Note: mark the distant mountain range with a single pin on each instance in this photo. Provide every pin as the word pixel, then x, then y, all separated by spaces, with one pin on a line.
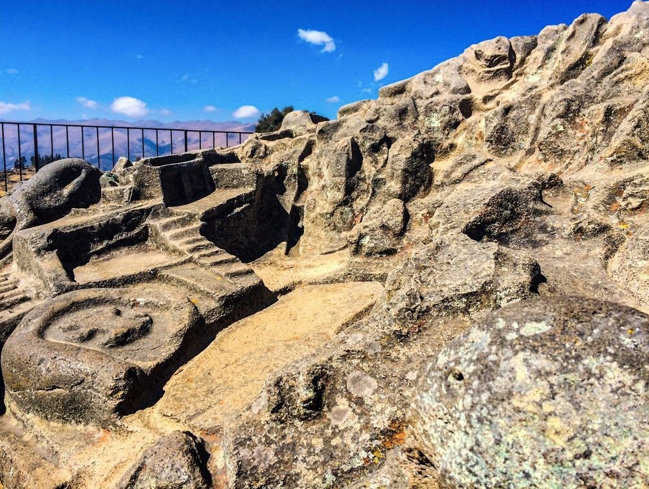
pixel 122 146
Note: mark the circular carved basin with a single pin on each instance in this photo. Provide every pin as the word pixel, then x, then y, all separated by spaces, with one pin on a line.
pixel 89 354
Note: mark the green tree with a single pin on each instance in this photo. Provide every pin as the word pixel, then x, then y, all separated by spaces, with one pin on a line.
pixel 273 121
pixel 20 163
pixel 45 159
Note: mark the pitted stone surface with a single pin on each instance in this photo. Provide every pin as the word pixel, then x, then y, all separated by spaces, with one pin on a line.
pixel 545 393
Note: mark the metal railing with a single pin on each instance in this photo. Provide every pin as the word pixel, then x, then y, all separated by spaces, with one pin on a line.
pixel 39 158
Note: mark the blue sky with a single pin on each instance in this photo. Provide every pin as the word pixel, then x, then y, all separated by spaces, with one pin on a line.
pixel 190 59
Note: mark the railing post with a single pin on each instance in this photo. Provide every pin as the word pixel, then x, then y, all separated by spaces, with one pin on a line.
pixel 83 147
pixel 213 140
pixel 171 141
pixel 200 139
pixel 239 138
pixel 35 147
pixel 20 157
pixel 52 142
pixel 98 153
pixel 185 141
pixel 157 149
pixel 4 157
pixel 142 143
pixel 227 140
pixel 67 142
pixel 128 143
pixel 112 144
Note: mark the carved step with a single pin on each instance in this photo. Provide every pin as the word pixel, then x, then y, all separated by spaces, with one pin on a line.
pixel 218 260
pixel 8 294
pixel 200 279
pixel 234 269
pixel 7 286
pixel 197 247
pixel 18 298
pixel 187 232
pixel 192 240
pixel 12 315
pixel 210 253
pixel 171 223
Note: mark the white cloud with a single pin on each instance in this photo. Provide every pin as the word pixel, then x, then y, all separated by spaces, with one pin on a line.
pixel 129 106
pixel 319 38
pixel 209 108
pixel 11 71
pixel 246 112
pixel 188 78
pixel 6 107
pixel 165 112
pixel 381 72
pixel 333 100
pixel 139 56
pixel 88 104
pixel 366 90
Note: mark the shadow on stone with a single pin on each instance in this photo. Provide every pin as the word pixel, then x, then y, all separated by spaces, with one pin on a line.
pixel 252 230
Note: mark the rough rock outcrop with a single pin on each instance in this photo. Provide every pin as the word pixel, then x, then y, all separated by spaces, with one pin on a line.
pixel 482 192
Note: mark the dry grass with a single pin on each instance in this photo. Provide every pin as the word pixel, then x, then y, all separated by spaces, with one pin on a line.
pixel 13 179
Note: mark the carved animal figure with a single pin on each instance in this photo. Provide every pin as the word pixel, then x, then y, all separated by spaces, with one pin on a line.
pixel 49 195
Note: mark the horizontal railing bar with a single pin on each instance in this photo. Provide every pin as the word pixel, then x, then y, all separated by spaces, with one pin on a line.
pixel 216 131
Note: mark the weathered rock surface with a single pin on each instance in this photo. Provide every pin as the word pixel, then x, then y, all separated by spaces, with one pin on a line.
pixel 51 194
pixel 546 393
pixel 328 264
pixel 176 461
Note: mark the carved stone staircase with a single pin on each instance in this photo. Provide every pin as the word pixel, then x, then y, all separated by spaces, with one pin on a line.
pixel 10 295
pixel 14 304
pixel 181 234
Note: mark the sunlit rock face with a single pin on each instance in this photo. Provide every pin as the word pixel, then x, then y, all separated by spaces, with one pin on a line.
pixel 444 287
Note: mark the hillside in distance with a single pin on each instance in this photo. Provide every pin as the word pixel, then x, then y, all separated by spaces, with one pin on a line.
pixel 132 147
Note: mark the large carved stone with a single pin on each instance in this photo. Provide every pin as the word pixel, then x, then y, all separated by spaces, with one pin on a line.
pixel 91 355
pixel 51 194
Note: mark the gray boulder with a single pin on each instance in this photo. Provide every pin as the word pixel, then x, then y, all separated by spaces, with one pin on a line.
pixel 49 195
pixel 301 122
pixel 541 394
pixel 54 191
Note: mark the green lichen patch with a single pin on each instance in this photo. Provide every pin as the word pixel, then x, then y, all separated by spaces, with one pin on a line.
pixel 556 398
